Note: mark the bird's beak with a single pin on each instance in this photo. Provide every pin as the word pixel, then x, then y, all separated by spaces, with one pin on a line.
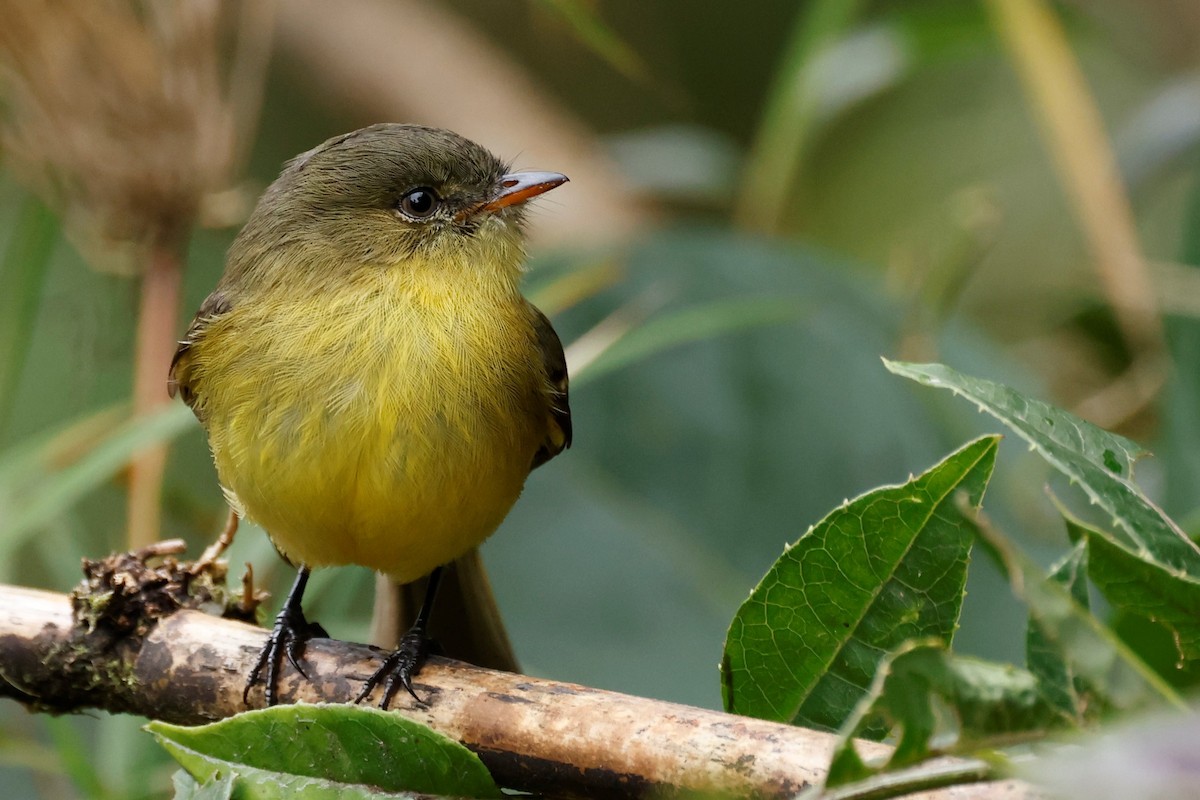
pixel 517 187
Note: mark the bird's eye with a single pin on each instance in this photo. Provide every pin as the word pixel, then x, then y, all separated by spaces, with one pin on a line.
pixel 419 203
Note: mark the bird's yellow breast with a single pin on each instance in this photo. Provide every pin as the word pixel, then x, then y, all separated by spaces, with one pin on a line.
pixel 381 421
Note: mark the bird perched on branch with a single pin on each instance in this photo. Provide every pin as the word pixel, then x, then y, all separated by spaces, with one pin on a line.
pixel 374 386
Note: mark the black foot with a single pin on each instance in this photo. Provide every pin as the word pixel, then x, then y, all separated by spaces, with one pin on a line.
pixel 287 638
pixel 400 667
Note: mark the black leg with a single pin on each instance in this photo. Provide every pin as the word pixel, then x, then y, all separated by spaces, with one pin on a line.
pixel 403 664
pixel 287 638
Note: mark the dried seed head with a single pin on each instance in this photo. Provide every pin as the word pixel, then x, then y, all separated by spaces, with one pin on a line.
pixel 125 114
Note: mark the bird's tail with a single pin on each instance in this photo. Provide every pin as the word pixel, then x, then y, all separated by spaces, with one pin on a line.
pixel 466 621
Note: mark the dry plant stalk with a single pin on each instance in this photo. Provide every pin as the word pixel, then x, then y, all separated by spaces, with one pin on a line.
pixel 125 115
pixel 1074 134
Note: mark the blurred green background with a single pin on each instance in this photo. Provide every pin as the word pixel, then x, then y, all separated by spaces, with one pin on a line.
pixel 766 198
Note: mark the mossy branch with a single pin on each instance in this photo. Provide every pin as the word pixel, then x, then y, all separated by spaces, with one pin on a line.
pixel 61 654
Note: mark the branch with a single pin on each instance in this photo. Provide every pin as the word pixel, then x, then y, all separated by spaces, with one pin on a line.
pixel 538 735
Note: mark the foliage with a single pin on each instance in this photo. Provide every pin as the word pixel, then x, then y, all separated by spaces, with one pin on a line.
pixel 1101 463
pixel 885 568
pixel 1078 671
pixel 332 751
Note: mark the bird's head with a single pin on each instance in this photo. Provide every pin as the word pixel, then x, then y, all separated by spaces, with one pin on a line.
pixel 393 195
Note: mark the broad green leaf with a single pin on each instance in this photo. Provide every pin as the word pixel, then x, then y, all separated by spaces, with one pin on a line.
pixel 884 568
pixel 223 779
pixel 1064 690
pixel 1155 645
pixel 327 751
pixel 1099 461
pixel 1142 588
pixel 220 787
pixel 1093 652
pixel 987 699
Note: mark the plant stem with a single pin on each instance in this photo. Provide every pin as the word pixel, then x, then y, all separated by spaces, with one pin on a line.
pixel 1074 134
pixel 155 346
pixel 921 778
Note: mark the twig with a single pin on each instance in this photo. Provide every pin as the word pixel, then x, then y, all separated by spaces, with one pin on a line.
pixel 533 734
pixel 214 550
pixel 902 783
pixel 251 597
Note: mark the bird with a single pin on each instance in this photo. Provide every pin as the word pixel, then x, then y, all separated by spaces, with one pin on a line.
pixel 374 386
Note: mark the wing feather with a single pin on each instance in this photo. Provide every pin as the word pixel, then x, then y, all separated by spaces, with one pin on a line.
pixel 558 435
pixel 180 379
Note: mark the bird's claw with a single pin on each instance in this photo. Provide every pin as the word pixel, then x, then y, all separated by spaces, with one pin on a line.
pixel 399 668
pixel 287 638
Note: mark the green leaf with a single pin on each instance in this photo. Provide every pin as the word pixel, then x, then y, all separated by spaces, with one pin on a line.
pixel 326 751
pixel 884 568
pixel 220 787
pixel 1092 651
pixel 1062 688
pixel 992 699
pixel 1099 461
pixel 1142 588
pixel 225 780
pixel 988 700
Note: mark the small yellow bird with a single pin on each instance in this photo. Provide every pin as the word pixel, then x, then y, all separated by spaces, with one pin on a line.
pixel 374 386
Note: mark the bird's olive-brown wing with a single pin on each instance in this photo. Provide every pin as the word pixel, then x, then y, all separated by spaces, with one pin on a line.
pixel 558 429
pixel 180 379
